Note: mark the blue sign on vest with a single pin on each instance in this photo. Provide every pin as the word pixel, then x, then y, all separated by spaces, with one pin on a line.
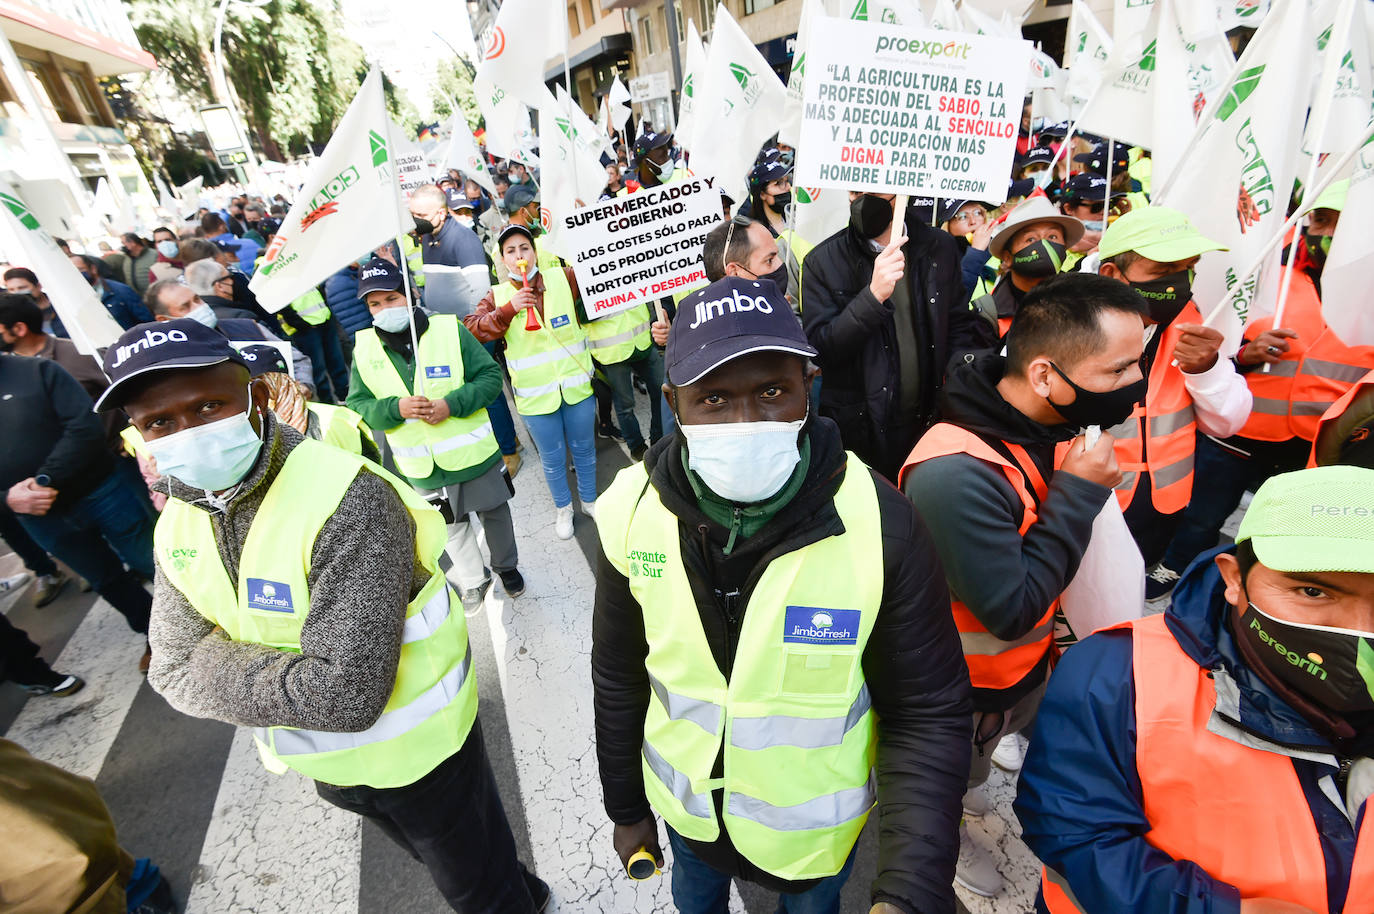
pixel 814 625
pixel 273 596
pixel 559 320
pixel 436 371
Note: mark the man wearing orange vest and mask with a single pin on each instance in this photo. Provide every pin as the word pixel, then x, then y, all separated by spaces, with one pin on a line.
pixel 1309 368
pixel 1010 489
pixel 1192 388
pixel 1217 758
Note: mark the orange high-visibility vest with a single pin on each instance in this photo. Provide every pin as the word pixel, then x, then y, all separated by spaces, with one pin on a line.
pixel 1238 812
pixel 1166 418
pixel 1332 417
pixel 1317 370
pixel 992 662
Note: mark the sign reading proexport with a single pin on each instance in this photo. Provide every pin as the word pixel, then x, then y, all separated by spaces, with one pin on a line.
pixel 888 109
pixel 643 246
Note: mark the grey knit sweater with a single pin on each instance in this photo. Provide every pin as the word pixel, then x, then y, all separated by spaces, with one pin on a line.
pixel 363 573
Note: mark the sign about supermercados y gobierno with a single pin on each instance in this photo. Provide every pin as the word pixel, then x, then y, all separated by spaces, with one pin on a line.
pixel 643 246
pixel 888 109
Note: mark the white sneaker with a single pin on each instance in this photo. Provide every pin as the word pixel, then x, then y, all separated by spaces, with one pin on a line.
pixel 1010 753
pixel 14 581
pixel 976 802
pixel 976 869
pixel 589 509
pixel 563 522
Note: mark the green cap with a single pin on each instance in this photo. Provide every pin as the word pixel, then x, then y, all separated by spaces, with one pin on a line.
pixel 1320 519
pixel 1155 233
pixel 1331 198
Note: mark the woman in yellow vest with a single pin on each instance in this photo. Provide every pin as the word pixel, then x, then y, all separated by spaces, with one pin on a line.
pixel 431 406
pixel 550 366
pixel 299 593
pixel 1214 758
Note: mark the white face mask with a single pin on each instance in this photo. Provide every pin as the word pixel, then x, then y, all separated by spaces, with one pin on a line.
pixel 213 457
pixel 1095 225
pixel 743 462
pixel 392 320
pixel 665 171
pixel 168 249
pixel 204 314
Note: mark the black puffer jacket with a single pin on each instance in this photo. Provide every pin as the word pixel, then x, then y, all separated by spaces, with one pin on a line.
pixel 913 665
pixel 857 338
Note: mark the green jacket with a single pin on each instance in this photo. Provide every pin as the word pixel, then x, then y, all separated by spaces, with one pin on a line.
pixel 481 385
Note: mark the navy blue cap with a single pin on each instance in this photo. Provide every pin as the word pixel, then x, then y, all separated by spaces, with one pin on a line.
pixel 1096 158
pixel 769 169
pixel 1086 186
pixel 949 208
pixel 729 318
pixel 651 141
pixel 920 209
pixel 513 228
pixel 1021 188
pixel 379 275
pixel 158 346
pixel 518 195
pixel 1054 131
pixel 263 359
pixel 1036 155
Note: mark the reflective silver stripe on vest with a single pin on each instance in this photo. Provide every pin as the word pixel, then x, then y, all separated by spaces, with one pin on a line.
pixel 581 377
pixel 986 644
pixel 678 784
pixel 1284 369
pixel 619 338
pixel 448 444
pixel 318 306
pixel 704 714
pixel 1310 407
pixel 427 621
pixel 549 355
pixel 755 733
pixel 1270 406
pixel 1169 423
pixel 1334 371
pixel 1128 429
pixel 1172 473
pixel 1127 480
pixel 389 726
pixel 830 810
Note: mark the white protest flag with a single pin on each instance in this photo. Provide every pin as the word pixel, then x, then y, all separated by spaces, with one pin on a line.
pixel 349 204
pixel 618 102
pixel 892 12
pixel 1123 106
pixel 1130 17
pixel 508 122
pixel 1210 62
pixel 693 73
pixel 105 203
pixel 980 23
pixel 1341 105
pixel 525 35
pixel 789 131
pixel 165 199
pixel 572 172
pixel 1173 102
pixel 1046 84
pixel 1234 180
pixel 1015 11
pixel 464 154
pixel 1089 48
pixel 819 212
pixel 1199 20
pixel 943 15
pixel 741 104
pixel 1345 277
pixel 24 243
pixel 1247 13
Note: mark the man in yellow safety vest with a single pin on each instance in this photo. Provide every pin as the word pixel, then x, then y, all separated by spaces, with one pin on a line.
pixel 298 592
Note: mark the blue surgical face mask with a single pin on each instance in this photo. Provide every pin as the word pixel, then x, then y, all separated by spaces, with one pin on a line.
pixel 213 457
pixel 204 314
pixel 743 462
pixel 1095 225
pixel 392 320
pixel 168 249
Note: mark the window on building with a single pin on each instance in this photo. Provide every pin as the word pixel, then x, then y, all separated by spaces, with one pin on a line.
pixel 646 36
pixel 81 93
pixel 52 101
pixel 573 27
pixel 754 6
pixel 706 16
pixel 589 10
pixel 681 22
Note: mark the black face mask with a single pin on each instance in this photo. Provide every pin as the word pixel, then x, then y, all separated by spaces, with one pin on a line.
pixel 779 277
pixel 423 226
pixel 782 201
pixel 870 215
pixel 1101 408
pixel 1167 295
pixel 1039 259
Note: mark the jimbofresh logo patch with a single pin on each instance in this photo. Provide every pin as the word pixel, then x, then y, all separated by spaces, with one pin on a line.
pixel 272 596
pixel 817 625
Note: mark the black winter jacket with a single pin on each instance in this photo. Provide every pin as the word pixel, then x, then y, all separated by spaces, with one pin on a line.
pixel 913 665
pixel 855 335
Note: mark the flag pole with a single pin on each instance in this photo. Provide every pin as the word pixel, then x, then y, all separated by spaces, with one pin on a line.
pixel 1331 176
pixel 419 384
pixel 1324 88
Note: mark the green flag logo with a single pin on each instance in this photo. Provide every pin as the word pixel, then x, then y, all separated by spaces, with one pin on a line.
pixel 21 212
pixel 1245 85
pixel 748 82
pixel 378 142
pixel 1324 39
pixel 860 11
pixel 1147 59
pixel 687 85
pixel 566 126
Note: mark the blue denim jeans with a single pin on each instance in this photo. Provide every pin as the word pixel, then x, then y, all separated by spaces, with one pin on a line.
pixel 98 535
pixel 320 343
pixel 701 889
pixel 649 367
pixel 502 425
pixel 576 423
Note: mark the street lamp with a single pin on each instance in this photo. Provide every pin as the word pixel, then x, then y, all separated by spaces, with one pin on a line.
pixel 251 168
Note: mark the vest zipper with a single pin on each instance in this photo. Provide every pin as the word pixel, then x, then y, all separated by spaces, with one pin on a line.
pixel 725 602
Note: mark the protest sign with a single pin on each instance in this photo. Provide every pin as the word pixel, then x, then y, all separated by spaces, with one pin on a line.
pixel 911 111
pixel 640 247
pixel 412 171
